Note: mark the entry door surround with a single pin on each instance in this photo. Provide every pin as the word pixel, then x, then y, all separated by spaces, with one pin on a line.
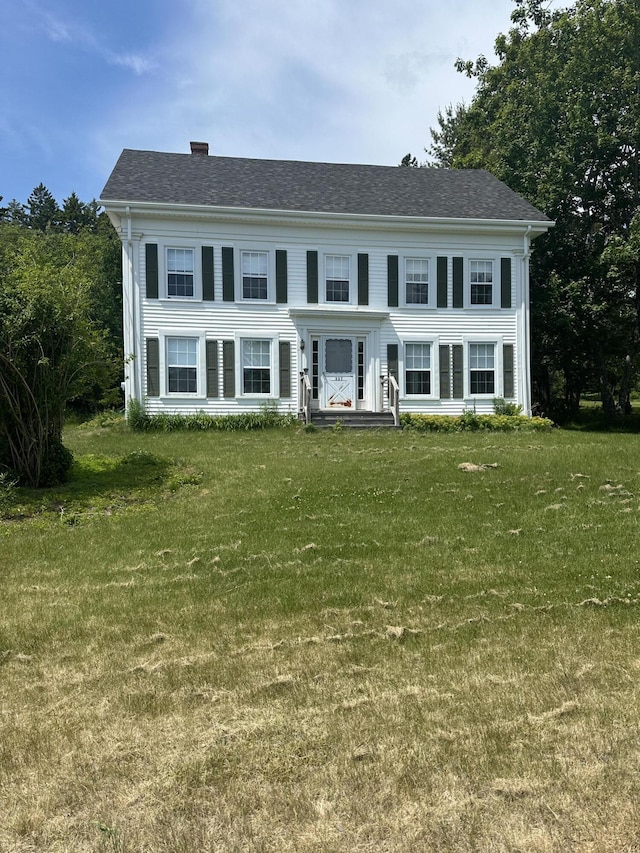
pixel 338 372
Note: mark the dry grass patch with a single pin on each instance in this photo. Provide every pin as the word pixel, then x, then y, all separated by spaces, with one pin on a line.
pixel 330 642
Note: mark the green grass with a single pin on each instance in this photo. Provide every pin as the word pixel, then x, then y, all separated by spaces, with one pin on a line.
pixel 324 641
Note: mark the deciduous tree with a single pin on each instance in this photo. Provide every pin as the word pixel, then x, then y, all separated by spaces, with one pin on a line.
pixel 558 119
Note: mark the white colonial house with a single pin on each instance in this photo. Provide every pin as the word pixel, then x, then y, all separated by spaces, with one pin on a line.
pixel 320 287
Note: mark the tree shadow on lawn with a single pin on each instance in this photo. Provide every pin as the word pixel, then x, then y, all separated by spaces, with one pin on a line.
pixel 594 420
pixel 103 484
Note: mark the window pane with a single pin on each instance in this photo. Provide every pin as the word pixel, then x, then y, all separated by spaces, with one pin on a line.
pixel 337 278
pixel 256 381
pixel 254 263
pixel 482 271
pixel 256 353
pixel 417 294
pixel 417 281
pixel 482 382
pixel 337 291
pixel 182 351
pixel 182 365
pixel 338 266
pixel 338 355
pixel 254 275
pixel 256 367
pixel 180 260
pixel 481 282
pixel 481 294
pixel 418 381
pixel 418 356
pixel 180 272
pixel 481 356
pixel 254 288
pixel 183 380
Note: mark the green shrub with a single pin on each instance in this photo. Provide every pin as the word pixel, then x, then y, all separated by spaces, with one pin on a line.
pixel 501 407
pixel 472 422
pixel 137 418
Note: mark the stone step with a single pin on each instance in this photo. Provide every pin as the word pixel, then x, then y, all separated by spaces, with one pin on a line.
pixel 353 420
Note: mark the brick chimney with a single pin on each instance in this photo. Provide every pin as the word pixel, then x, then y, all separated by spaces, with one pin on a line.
pixel 200 148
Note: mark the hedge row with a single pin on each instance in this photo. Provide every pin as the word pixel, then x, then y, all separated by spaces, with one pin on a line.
pixel 471 422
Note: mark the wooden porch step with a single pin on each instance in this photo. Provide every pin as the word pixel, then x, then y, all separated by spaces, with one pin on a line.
pixel 353 420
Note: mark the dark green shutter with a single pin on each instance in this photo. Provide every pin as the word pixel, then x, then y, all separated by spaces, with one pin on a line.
pixel 445 372
pixel 505 282
pixel 151 266
pixel 442 282
pixel 207 274
pixel 281 275
pixel 228 277
pixel 458 372
pixel 392 281
pixel 507 370
pixel 458 283
pixel 153 367
pixel 228 369
pixel 392 360
pixel 285 370
pixel 363 279
pixel 312 277
pixel 212 368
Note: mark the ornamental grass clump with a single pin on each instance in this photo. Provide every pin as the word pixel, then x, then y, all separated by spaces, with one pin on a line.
pixel 139 420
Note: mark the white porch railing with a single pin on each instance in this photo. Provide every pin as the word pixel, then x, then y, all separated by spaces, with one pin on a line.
pixel 305 397
pixel 392 389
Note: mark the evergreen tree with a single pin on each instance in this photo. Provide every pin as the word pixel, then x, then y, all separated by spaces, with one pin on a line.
pixel 43 212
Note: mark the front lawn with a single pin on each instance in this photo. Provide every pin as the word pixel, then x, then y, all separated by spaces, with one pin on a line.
pixel 324 641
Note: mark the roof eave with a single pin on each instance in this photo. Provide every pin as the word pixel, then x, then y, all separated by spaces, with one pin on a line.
pixel 371 220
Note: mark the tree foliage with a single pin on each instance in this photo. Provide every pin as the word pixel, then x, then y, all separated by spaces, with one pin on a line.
pixel 60 327
pixel 558 119
pixel 51 348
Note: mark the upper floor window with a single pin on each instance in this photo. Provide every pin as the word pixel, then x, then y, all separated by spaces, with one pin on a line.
pixel 417 281
pixel 417 365
pixel 482 368
pixel 182 365
pixel 255 275
pixel 481 282
pixel 337 268
pixel 180 266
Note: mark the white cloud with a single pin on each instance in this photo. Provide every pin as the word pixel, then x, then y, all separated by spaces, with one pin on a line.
pixel 136 62
pixel 72 32
pixel 357 81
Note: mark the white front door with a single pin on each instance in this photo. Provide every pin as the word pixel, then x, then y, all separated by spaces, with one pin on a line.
pixel 338 373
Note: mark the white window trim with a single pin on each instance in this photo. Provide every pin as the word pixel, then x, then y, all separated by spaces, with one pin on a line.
pixel 163 270
pixel 434 342
pixel 353 277
pixel 274 340
pixel 497 341
pixel 402 283
pixel 239 248
pixel 495 285
pixel 200 336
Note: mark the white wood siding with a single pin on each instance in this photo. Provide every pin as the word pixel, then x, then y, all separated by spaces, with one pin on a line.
pixel 219 320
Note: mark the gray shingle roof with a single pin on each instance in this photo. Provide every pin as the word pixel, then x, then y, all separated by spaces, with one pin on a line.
pixel 197 179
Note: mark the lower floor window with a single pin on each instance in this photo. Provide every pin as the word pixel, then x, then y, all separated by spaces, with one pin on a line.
pixel 182 365
pixel 256 367
pixel 482 369
pixel 417 359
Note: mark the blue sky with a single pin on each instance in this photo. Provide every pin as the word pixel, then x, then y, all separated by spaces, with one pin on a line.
pixel 356 81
